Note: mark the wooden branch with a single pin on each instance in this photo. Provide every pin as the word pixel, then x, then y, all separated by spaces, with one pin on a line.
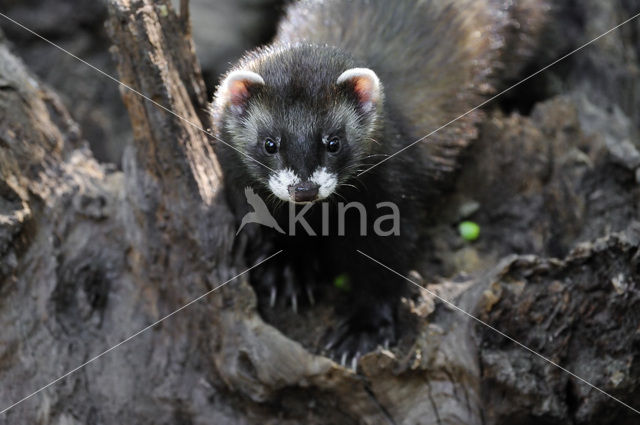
pixel 581 313
pixel 156 56
pixel 184 15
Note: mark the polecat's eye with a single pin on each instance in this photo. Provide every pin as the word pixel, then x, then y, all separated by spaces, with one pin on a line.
pixel 270 146
pixel 333 145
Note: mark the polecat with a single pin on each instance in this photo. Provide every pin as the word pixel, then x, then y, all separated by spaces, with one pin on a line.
pixel 345 85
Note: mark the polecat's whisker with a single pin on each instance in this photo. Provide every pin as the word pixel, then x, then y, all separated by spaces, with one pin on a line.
pixel 335 192
pixel 350 185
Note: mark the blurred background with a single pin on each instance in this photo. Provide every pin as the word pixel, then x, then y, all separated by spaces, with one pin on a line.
pixel 223 30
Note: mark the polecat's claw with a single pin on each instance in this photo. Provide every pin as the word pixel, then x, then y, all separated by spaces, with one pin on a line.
pixel 279 283
pixel 360 337
pixel 354 361
pixel 343 359
pixel 329 345
pixel 335 338
pixel 273 296
pixel 290 288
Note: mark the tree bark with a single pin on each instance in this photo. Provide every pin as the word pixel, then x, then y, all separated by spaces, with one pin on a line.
pixel 89 256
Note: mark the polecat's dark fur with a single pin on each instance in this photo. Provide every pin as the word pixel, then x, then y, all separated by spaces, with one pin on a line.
pixel 372 76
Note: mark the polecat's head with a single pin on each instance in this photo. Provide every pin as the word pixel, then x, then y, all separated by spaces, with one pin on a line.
pixel 311 123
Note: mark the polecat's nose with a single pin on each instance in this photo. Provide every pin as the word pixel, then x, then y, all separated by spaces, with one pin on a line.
pixel 304 192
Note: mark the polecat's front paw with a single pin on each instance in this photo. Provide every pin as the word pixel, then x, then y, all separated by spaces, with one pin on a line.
pixel 363 331
pixel 279 284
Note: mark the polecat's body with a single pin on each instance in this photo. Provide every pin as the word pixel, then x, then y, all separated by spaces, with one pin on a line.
pixel 346 84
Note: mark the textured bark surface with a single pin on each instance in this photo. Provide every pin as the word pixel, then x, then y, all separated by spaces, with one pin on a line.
pixel 90 255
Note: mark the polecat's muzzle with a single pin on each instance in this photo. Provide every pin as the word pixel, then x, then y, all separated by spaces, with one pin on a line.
pixel 304 191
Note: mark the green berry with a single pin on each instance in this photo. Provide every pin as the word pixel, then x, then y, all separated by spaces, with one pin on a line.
pixel 469 230
pixel 342 282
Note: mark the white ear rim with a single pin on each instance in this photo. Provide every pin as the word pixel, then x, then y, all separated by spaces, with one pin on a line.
pixel 223 95
pixel 359 73
pixel 241 75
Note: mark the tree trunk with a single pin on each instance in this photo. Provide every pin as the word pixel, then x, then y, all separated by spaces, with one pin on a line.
pixel 91 256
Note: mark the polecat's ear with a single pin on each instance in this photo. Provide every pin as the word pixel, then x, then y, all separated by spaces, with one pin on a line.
pixel 235 89
pixel 365 85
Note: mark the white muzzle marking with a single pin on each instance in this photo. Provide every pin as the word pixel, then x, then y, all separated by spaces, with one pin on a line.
pixel 327 182
pixel 279 183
